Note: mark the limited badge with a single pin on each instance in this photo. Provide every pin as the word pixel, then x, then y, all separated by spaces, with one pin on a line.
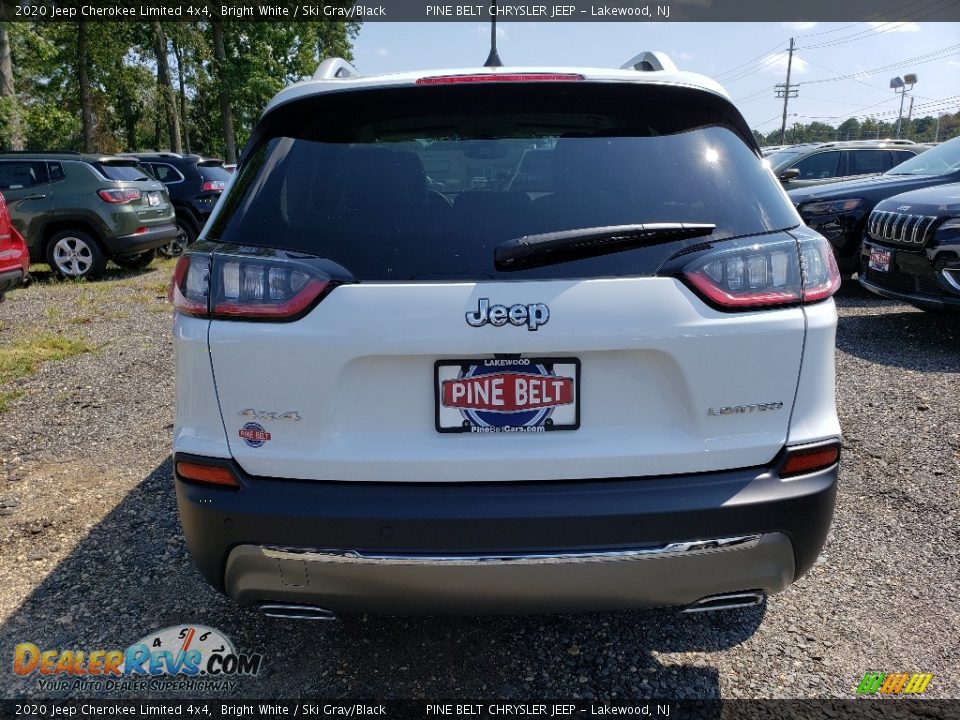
pixel 254 435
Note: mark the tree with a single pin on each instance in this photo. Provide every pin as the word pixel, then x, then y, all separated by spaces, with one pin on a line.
pixel 223 93
pixel 9 104
pixel 86 109
pixel 166 87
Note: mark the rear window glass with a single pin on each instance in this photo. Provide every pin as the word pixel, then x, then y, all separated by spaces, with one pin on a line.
pixel 213 172
pixel 121 171
pixel 426 182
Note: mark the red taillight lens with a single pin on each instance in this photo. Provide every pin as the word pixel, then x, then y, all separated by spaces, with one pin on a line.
pixel 499 77
pixel 207 474
pixel 804 460
pixel 119 195
pixel 213 186
pixel 821 277
pixel 234 287
pixel 784 272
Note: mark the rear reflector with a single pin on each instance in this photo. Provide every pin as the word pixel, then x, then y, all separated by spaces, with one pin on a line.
pixel 500 77
pixel 207 474
pixel 801 461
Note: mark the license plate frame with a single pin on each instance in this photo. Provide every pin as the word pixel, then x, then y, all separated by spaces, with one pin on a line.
pixel 880 259
pixel 490 421
pixel 153 199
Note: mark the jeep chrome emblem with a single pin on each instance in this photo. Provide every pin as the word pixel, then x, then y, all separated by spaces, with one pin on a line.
pixel 533 316
pixel 904 208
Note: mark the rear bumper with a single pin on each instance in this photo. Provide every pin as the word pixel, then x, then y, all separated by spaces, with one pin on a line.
pixel 10 279
pixel 154 237
pixel 464 548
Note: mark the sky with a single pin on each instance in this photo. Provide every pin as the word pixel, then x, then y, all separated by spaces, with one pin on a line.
pixel 747 58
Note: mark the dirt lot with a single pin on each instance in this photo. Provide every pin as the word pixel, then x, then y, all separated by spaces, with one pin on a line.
pixel 91 553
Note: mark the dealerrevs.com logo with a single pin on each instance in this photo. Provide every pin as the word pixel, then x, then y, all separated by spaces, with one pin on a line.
pixel 183 657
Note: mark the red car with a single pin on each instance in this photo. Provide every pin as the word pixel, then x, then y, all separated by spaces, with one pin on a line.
pixel 14 258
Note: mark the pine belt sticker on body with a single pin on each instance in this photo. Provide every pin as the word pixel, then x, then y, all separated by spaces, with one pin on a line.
pixel 254 434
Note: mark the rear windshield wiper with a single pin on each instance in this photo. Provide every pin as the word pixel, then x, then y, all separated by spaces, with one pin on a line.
pixel 565 245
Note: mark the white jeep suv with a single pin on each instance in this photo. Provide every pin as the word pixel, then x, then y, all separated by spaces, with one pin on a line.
pixel 504 340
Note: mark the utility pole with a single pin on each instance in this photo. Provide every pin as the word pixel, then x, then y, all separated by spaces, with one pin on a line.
pixel 786 92
pixel 936 133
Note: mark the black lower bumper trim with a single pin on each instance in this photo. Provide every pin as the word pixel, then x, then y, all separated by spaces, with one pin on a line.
pixel 154 237
pixel 590 514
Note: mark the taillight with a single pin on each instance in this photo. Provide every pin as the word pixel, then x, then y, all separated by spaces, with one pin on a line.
pixel 821 277
pixel 213 186
pixel 745 276
pixel 238 287
pixel 803 460
pixel 190 287
pixel 120 195
pixel 499 77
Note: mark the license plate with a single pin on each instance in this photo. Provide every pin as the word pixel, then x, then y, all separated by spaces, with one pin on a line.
pixel 153 199
pixel 880 259
pixel 512 395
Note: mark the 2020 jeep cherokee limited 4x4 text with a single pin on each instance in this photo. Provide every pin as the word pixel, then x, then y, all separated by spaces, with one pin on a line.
pixel 504 340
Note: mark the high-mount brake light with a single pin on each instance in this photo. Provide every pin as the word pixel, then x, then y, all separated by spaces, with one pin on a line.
pixel 235 287
pixel 766 275
pixel 499 77
pixel 119 195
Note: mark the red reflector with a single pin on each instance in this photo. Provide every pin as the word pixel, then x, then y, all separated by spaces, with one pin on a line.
pixel 802 461
pixel 207 474
pixel 500 77
pixel 140 231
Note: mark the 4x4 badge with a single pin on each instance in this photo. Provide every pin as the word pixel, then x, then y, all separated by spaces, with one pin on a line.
pixel 533 316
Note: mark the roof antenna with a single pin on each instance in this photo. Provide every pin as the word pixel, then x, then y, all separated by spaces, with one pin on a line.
pixel 493 59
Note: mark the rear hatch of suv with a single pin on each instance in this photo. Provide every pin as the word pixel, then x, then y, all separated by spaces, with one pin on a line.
pixel 402 287
pixel 133 185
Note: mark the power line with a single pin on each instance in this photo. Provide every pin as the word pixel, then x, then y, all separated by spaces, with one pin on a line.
pixel 717 76
pixel 932 56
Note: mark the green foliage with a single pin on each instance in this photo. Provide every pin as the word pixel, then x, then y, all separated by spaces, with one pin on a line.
pixel 125 99
pixel 919 130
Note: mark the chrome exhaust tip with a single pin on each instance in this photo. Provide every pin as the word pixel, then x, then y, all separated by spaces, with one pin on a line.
pixel 728 601
pixel 296 612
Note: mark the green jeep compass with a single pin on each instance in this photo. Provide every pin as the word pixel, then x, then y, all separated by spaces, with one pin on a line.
pixel 76 211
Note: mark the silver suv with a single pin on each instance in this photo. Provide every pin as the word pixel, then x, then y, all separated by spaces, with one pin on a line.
pixel 821 163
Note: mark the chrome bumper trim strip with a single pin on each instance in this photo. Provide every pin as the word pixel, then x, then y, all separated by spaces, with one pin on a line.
pixel 676 549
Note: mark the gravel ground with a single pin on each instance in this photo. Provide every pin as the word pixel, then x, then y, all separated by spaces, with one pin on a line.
pixel 91 554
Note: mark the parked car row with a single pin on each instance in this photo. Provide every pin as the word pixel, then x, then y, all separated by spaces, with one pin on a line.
pixel 76 211
pixel 908 248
